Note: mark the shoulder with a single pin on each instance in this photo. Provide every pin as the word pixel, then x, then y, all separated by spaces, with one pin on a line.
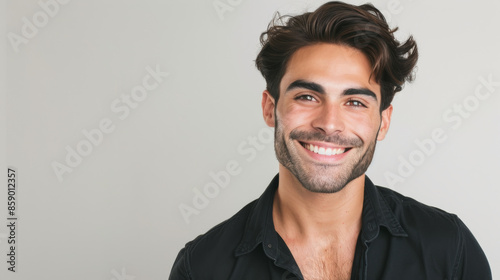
pixel 421 220
pixel 412 213
pixel 227 234
pixel 439 235
pixel 206 252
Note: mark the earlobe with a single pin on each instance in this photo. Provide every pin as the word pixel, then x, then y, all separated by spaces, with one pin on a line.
pixel 385 122
pixel 268 105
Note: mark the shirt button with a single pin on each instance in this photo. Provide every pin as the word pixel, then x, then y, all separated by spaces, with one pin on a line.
pixel 269 245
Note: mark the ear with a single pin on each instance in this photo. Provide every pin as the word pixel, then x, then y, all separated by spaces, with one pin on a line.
pixel 384 125
pixel 268 105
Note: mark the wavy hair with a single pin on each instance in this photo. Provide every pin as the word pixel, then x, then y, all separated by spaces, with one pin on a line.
pixel 361 27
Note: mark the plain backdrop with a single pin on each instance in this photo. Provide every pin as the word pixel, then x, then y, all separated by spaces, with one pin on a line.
pixel 112 210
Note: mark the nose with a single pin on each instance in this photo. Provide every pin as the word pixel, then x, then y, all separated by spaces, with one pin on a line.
pixel 329 120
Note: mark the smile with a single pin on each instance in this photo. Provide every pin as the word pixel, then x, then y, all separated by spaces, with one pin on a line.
pixel 327 151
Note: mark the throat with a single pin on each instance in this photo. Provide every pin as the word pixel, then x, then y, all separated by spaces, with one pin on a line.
pixel 301 214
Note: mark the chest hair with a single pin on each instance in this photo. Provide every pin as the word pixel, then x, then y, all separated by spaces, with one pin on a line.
pixel 325 261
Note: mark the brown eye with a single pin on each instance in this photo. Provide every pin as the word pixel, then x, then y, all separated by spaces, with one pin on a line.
pixel 355 103
pixel 305 98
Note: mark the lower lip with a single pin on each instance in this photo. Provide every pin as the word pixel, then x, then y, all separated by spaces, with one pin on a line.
pixel 325 158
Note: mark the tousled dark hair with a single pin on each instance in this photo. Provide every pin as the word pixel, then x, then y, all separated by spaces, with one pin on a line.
pixel 361 27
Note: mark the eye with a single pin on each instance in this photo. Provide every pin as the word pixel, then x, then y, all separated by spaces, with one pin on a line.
pixel 305 97
pixel 355 103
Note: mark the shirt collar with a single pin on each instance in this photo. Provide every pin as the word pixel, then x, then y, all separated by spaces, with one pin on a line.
pixel 260 227
pixel 376 214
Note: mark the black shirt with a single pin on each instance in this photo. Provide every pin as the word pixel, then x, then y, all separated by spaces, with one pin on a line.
pixel 400 239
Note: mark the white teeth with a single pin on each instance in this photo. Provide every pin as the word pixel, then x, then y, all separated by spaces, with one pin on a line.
pixel 323 151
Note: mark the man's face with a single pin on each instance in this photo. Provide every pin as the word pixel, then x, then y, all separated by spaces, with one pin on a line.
pixel 328 119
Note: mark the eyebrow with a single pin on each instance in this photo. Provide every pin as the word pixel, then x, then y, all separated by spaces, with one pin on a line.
pixel 319 89
pixel 306 85
pixel 360 91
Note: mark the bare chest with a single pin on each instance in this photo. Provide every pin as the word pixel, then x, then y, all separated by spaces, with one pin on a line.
pixel 325 261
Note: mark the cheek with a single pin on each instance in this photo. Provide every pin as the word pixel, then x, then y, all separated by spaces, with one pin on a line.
pixel 365 126
pixel 292 117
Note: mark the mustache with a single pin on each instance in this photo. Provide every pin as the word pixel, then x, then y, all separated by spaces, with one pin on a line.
pixel 335 139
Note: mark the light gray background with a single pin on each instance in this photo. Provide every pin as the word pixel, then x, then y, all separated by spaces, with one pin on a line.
pixel 116 215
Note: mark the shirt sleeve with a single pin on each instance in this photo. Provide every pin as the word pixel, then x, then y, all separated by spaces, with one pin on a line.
pixel 180 270
pixel 472 262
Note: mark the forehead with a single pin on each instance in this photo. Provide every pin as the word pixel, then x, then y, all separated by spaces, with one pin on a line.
pixel 335 67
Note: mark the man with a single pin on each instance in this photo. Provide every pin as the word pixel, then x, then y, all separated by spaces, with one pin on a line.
pixel 331 76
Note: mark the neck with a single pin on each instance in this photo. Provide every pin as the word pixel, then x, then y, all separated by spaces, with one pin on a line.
pixel 300 214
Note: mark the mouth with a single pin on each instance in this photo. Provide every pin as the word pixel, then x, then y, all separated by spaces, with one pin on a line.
pixel 324 150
